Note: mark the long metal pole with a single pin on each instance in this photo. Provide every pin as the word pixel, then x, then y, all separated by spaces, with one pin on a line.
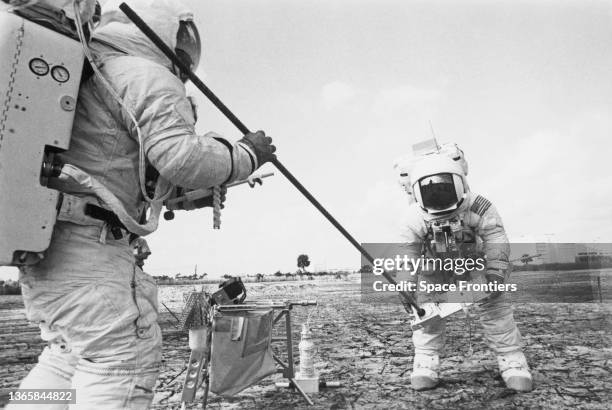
pixel 244 130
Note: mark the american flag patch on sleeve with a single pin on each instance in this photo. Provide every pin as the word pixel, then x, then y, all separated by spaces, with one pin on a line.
pixel 480 205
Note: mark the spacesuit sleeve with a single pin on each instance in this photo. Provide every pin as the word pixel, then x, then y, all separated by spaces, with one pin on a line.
pixel 411 233
pixel 167 125
pixel 495 242
pixel 411 242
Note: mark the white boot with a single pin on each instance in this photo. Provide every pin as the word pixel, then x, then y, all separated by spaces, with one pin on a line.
pixel 425 371
pixel 515 371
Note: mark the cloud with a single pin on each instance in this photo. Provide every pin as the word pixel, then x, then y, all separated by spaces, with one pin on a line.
pixel 405 99
pixel 336 94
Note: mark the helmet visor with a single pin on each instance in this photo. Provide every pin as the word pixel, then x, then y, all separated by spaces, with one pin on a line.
pixel 188 45
pixel 438 192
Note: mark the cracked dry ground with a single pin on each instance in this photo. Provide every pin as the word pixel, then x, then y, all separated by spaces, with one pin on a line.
pixel 368 349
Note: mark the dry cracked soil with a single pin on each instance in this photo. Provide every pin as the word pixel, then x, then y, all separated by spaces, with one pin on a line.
pixel 368 349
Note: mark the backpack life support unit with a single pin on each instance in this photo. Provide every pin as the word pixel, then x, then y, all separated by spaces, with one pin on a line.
pixel 40 73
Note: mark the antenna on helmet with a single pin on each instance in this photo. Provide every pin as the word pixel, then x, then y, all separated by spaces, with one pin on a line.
pixel 433 134
pixel 427 147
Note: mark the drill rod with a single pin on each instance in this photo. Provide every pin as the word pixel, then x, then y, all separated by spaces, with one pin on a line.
pixel 131 14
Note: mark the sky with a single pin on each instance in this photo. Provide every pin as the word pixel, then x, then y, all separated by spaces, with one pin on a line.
pixel 346 87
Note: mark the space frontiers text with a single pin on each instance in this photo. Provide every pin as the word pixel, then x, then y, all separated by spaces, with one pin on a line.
pixel 413 265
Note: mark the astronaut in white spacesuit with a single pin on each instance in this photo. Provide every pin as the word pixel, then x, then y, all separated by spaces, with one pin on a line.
pixel 437 185
pixel 96 308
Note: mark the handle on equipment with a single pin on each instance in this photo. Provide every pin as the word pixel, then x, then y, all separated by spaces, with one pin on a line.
pixel 204 192
pixel 131 14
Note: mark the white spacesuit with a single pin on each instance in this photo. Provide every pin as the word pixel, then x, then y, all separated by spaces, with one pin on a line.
pixel 95 307
pixel 438 184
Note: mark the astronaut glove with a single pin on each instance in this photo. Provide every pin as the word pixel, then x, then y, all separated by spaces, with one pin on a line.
pixel 261 145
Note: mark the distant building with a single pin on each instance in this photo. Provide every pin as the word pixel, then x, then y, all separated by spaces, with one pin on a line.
pixel 595 253
pixel 572 252
pixel 558 252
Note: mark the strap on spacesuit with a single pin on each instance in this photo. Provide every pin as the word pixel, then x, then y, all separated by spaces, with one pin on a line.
pixel 110 45
pixel 83 211
pixel 112 203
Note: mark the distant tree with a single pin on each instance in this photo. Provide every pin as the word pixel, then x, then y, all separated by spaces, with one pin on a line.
pixel 303 262
pixel 526 258
pixel 341 274
pixel 366 269
pixel 10 287
pixel 278 273
pixel 259 277
pixel 226 276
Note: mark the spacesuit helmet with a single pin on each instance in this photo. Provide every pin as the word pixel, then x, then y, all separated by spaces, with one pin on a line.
pixel 171 20
pixel 439 184
pixel 188 45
